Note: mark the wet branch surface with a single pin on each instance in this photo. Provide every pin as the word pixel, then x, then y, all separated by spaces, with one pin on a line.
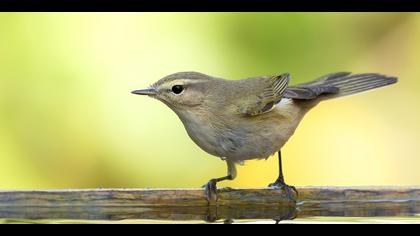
pixel 190 204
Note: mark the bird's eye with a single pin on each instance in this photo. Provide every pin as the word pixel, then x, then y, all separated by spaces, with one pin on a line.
pixel 177 89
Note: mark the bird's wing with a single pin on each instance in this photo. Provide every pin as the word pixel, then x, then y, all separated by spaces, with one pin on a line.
pixel 265 100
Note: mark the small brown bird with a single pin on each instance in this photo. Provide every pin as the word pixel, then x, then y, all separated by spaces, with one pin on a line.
pixel 251 118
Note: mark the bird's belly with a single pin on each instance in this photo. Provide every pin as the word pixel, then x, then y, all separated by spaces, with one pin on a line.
pixel 244 142
pixel 267 133
pixel 250 138
pixel 263 143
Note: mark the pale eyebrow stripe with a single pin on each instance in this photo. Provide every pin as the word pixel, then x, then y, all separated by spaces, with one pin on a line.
pixel 178 81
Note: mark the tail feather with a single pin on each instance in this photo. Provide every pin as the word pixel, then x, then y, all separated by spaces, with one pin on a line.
pixel 339 85
pixel 358 83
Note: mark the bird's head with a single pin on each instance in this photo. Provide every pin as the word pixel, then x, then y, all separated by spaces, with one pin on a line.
pixel 181 90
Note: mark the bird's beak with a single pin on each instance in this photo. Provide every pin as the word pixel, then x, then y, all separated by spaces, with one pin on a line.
pixel 148 91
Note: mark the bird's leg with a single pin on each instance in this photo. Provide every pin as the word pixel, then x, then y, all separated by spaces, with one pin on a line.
pixel 211 187
pixel 281 184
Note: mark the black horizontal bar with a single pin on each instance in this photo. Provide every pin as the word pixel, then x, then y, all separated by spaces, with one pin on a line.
pixel 209 5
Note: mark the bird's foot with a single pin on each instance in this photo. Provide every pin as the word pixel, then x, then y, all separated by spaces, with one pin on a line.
pixel 211 190
pixel 290 191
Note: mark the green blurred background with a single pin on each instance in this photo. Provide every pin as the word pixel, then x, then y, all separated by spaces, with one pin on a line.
pixel 68 120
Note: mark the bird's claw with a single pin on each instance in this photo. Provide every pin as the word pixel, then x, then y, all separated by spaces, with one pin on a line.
pixel 290 191
pixel 211 190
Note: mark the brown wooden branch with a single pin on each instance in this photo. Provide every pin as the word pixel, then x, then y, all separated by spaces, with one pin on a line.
pixel 190 204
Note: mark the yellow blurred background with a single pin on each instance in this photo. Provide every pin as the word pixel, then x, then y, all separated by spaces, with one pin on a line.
pixel 68 120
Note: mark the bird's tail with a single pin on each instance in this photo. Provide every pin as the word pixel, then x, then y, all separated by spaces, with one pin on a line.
pixel 350 84
pixel 339 85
